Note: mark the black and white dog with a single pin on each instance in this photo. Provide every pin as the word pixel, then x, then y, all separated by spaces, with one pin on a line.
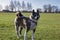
pixel 29 23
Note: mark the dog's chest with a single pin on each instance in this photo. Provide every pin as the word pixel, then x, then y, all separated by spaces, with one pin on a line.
pixel 33 25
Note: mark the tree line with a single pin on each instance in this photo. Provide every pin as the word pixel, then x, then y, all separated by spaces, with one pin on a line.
pixel 17 6
pixel 51 9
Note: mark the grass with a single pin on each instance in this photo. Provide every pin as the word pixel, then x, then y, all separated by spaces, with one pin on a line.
pixel 48 27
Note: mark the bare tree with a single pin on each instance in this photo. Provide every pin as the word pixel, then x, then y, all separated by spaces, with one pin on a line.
pixel 15 5
pixel 45 8
pixel 54 9
pixel 23 5
pixel 18 5
pixel 11 5
pixel 0 7
pixel 29 6
pixel 49 8
pixel 6 7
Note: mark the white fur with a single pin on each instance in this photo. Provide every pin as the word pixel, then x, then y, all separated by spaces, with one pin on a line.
pixel 32 35
pixel 33 25
pixel 25 36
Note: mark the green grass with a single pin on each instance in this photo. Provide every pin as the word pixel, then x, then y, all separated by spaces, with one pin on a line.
pixel 48 27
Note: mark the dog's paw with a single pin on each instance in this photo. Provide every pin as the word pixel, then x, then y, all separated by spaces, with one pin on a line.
pixel 20 35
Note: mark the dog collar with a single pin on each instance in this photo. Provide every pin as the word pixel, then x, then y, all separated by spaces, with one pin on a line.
pixel 33 19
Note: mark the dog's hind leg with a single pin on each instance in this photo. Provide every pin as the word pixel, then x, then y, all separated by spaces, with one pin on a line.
pixel 20 30
pixel 25 34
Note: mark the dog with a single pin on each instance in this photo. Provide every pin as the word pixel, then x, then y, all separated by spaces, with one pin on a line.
pixel 29 23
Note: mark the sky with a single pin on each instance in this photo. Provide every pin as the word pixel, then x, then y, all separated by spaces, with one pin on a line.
pixel 35 3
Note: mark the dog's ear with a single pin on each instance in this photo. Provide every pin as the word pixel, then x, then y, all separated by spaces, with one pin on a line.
pixel 37 11
pixel 17 13
pixel 33 11
pixel 20 14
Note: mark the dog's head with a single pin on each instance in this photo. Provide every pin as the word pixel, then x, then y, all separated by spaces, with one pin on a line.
pixel 19 14
pixel 35 15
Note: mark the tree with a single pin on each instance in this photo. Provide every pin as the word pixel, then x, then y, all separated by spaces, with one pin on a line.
pixel 0 7
pixel 11 5
pixel 45 8
pixel 49 8
pixel 29 6
pixel 54 9
pixel 23 5
pixel 15 5
pixel 6 7
pixel 18 5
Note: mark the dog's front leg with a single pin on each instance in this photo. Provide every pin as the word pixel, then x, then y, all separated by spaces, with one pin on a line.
pixel 33 34
pixel 25 34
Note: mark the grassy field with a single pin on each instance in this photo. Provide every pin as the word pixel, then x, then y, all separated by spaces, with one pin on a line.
pixel 48 27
